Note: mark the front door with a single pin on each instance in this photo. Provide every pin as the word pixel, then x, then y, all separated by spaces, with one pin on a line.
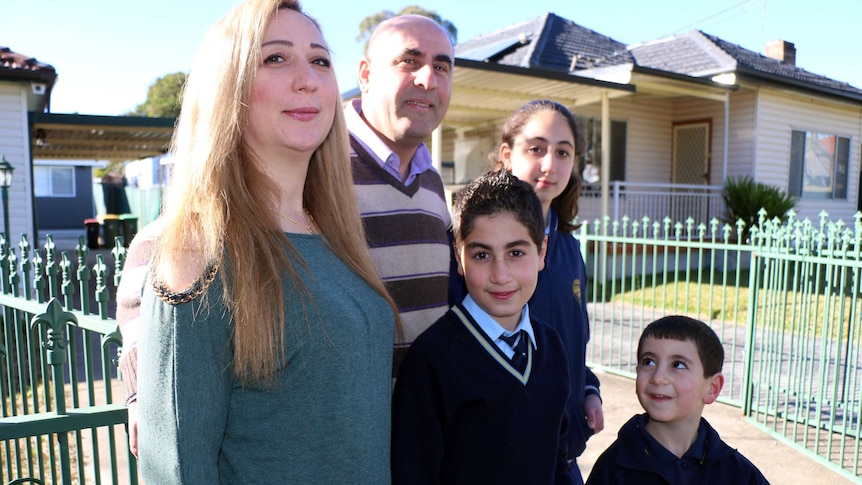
pixel 691 142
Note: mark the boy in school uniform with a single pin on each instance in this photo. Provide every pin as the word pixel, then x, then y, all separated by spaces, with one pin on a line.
pixel 678 373
pixel 481 395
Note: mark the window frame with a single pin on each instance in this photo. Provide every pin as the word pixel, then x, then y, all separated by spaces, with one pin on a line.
pixel 804 153
pixel 51 193
pixel 591 128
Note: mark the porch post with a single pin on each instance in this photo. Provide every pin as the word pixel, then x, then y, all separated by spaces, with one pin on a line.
pixel 606 151
pixel 437 148
pixel 726 129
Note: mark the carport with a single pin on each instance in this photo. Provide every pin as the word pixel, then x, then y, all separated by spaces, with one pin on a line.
pixel 56 136
pixel 67 138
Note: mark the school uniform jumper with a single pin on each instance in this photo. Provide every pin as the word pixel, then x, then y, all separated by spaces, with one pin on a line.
pixel 560 302
pixel 636 457
pixel 463 415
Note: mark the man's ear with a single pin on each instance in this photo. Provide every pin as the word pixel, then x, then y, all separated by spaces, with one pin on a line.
pixel 364 70
pixel 716 382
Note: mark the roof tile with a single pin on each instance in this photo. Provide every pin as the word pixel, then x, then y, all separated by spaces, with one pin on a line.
pixel 552 42
pixel 13 61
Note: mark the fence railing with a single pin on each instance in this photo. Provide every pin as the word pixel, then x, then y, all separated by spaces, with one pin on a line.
pixel 783 297
pixel 62 415
pixel 653 200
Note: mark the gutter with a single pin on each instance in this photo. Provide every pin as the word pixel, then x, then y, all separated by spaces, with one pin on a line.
pixel 839 94
pixel 539 73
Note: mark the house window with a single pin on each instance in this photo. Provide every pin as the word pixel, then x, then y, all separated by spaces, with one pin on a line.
pixel 54 181
pixel 818 165
pixel 592 157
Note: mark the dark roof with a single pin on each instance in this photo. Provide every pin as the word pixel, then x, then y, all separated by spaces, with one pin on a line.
pixel 691 54
pixel 507 46
pixel 546 42
pixel 563 39
pixel 552 42
pixel 767 65
pixel 20 66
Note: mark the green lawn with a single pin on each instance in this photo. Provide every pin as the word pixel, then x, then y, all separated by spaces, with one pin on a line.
pixel 727 298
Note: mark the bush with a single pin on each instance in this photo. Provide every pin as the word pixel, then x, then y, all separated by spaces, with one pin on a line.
pixel 744 197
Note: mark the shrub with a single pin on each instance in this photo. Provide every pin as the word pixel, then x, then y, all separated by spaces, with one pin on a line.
pixel 744 197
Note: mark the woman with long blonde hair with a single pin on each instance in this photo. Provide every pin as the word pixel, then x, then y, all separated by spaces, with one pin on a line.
pixel 266 355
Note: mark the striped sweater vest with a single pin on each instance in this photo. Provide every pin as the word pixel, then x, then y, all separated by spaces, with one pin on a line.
pixel 406 228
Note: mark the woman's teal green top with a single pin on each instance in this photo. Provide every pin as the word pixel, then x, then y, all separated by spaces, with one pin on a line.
pixel 327 421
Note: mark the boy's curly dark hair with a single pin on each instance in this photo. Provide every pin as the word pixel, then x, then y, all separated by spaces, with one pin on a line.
pixel 493 193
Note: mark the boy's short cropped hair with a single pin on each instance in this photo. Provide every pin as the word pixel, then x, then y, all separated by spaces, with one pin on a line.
pixel 678 327
pixel 497 192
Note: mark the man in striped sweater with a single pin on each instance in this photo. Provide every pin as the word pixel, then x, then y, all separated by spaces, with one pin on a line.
pixel 406 80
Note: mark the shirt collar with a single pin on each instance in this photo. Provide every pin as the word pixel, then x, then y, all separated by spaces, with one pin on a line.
pixel 492 328
pixel 552 221
pixel 696 451
pixel 698 448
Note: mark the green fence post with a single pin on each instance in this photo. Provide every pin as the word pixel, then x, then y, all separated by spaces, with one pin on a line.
pixel 51 267
pixel 55 320
pixel 751 322
pixel 83 274
pixel 26 265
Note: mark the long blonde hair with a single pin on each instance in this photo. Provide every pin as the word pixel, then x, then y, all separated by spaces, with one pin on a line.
pixel 216 205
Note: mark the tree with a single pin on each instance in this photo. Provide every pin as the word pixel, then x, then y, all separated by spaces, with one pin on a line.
pixel 371 22
pixel 164 97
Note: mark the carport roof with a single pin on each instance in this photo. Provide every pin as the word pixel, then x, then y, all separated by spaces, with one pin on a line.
pixel 92 137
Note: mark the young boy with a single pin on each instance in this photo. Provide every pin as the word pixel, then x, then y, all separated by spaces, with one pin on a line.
pixel 678 373
pixel 469 407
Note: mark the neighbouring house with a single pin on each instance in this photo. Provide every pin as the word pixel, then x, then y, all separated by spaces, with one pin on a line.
pixel 663 119
pixel 25 86
pixel 54 154
pixel 64 193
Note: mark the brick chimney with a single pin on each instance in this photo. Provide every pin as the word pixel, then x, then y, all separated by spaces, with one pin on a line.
pixel 782 50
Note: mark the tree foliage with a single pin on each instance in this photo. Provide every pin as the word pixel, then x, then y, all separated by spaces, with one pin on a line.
pixel 368 24
pixel 164 97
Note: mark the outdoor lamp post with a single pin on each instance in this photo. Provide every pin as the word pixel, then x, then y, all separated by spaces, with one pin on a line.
pixel 5 181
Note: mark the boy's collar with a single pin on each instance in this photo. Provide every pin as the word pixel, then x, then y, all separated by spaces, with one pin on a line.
pixel 491 327
pixel 697 450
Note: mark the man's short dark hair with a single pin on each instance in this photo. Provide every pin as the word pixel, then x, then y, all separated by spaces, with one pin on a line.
pixel 493 193
pixel 678 327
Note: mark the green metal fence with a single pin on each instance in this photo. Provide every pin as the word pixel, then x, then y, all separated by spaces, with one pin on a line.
pixel 62 415
pixel 783 297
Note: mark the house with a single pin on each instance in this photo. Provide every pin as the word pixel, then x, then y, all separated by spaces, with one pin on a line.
pixel 676 114
pixel 25 86
pixel 54 154
pixel 64 193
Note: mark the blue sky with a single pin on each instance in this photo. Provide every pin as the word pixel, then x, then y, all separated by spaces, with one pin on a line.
pixel 108 52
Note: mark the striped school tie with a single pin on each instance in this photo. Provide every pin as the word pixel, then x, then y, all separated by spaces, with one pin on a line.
pixel 519 359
